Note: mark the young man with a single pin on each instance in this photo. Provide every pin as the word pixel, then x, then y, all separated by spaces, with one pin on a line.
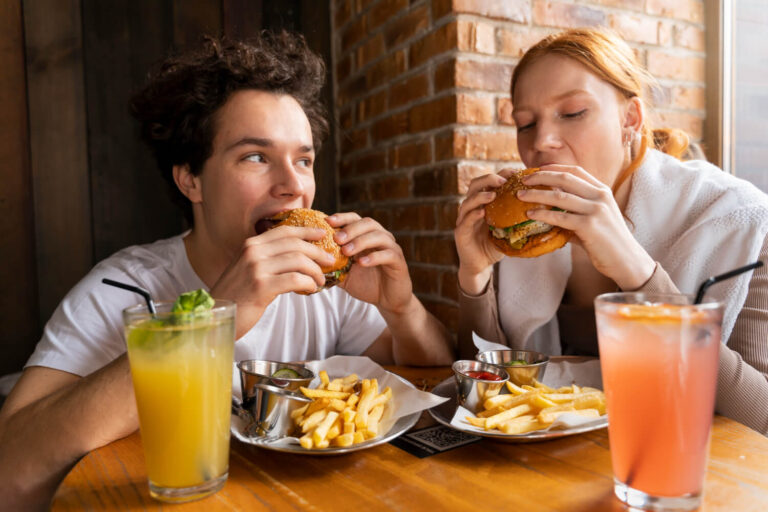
pixel 234 127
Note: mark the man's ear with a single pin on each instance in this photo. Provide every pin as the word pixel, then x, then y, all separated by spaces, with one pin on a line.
pixel 188 183
pixel 634 115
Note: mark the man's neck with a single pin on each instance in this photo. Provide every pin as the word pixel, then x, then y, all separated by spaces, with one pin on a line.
pixel 207 260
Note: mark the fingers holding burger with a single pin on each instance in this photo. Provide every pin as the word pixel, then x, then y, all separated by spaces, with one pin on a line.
pixel 509 228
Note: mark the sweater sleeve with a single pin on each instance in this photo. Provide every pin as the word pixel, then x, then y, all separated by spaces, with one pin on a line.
pixel 742 381
pixel 479 313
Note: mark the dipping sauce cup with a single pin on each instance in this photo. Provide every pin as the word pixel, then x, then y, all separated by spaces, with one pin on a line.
pixel 181 364
pixel 476 382
pixel 659 359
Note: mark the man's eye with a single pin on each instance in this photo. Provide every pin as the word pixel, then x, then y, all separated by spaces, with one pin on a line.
pixel 305 162
pixel 258 158
pixel 574 115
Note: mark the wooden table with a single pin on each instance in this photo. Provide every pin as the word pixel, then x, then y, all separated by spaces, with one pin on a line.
pixel 568 474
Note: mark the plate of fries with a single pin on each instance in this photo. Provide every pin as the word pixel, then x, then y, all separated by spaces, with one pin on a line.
pixel 356 404
pixel 555 408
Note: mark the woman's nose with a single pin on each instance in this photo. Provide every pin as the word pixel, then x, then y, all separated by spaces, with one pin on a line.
pixel 546 137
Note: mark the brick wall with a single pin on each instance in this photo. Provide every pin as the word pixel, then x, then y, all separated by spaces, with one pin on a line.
pixel 423 106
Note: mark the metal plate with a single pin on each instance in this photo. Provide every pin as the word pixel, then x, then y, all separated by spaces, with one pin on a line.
pixel 444 412
pixel 402 425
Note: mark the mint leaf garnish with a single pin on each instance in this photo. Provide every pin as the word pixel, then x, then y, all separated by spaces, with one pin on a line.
pixel 193 302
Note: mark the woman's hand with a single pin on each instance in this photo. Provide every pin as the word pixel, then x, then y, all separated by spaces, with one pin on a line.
pixel 592 214
pixel 476 252
pixel 278 261
pixel 379 274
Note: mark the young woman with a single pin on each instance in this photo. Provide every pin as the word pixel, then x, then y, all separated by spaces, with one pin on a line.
pixel 642 220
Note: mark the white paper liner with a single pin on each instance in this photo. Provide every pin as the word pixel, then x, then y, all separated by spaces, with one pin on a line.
pixel 561 371
pixel 405 398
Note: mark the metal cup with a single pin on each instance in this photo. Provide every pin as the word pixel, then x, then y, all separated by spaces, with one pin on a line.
pixel 472 392
pixel 255 371
pixel 518 373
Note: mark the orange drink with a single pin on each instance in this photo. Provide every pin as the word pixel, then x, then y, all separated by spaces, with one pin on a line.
pixel 181 365
pixel 659 358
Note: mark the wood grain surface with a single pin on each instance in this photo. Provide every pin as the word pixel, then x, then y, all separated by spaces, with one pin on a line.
pixel 568 474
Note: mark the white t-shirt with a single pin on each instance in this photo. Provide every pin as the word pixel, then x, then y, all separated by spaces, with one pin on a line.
pixel 86 330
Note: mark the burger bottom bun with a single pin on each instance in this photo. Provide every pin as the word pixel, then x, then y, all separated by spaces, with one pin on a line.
pixel 556 238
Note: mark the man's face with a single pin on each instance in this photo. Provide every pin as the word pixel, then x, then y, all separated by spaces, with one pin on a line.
pixel 261 164
pixel 567 115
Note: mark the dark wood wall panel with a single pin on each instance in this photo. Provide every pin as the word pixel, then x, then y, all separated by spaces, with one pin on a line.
pixel 59 152
pixel 129 198
pixel 18 300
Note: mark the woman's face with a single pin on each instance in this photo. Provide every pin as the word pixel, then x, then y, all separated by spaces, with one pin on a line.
pixel 567 115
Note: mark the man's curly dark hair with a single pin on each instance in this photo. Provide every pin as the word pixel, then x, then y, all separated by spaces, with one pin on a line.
pixel 176 107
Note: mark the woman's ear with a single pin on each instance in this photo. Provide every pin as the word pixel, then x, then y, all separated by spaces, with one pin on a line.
pixel 634 115
pixel 188 183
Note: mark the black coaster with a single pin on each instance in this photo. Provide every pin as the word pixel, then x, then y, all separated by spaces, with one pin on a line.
pixel 433 440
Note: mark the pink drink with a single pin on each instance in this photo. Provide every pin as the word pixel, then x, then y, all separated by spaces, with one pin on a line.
pixel 659 365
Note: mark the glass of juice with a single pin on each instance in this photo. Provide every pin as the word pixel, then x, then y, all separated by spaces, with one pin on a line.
pixel 659 359
pixel 181 364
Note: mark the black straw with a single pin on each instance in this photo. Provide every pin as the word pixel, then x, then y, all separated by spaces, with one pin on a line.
pixel 141 291
pixel 722 277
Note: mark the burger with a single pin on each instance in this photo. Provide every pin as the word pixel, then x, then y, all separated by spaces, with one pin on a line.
pixel 510 229
pixel 304 217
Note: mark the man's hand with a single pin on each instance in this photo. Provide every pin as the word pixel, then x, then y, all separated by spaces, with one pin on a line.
pixel 379 274
pixel 278 261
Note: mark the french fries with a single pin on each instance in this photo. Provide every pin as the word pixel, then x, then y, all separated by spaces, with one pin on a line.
pixel 343 412
pixel 528 408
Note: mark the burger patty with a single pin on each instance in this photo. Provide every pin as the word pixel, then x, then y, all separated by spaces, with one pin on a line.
pixel 518 234
pixel 336 276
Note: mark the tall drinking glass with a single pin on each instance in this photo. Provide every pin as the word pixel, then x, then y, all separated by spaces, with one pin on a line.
pixel 181 364
pixel 659 357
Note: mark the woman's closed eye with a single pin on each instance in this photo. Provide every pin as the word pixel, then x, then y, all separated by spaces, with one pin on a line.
pixel 574 115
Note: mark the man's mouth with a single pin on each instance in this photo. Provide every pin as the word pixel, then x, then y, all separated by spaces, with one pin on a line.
pixel 263 225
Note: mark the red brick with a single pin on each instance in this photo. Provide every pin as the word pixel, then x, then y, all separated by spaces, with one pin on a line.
pixel 445 75
pixel 386 69
pixel 633 27
pixel 504 111
pixel 518 11
pixel 392 187
pixel 413 217
pixel 369 163
pixel 439 250
pixel 406 26
pixel 449 286
pixel 433 114
pixel 346 169
pixel 444 146
pixel 356 192
pixel 484 76
pixel 441 8
pixel 689 36
pixel 566 15
pixel 352 89
pixel 425 280
pixel 391 126
pixel 665 33
pixel 688 10
pixel 476 37
pixel 472 109
pixel 487 145
pixel 354 32
pixel 343 68
pixel 665 65
pixel 408 90
pixel 468 172
pixel 381 215
pixel 689 98
pixel 410 155
pixel 346 117
pixel 407 245
pixel 343 13
pixel 384 11
pixel 354 140
pixel 372 49
pixel 692 124
pixel 435 182
pixel 516 43
pixel 372 106
pixel 437 42
pixel 448 314
pixel 635 5
pixel 447 214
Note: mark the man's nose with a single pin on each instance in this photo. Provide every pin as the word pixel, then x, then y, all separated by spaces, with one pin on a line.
pixel 288 182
